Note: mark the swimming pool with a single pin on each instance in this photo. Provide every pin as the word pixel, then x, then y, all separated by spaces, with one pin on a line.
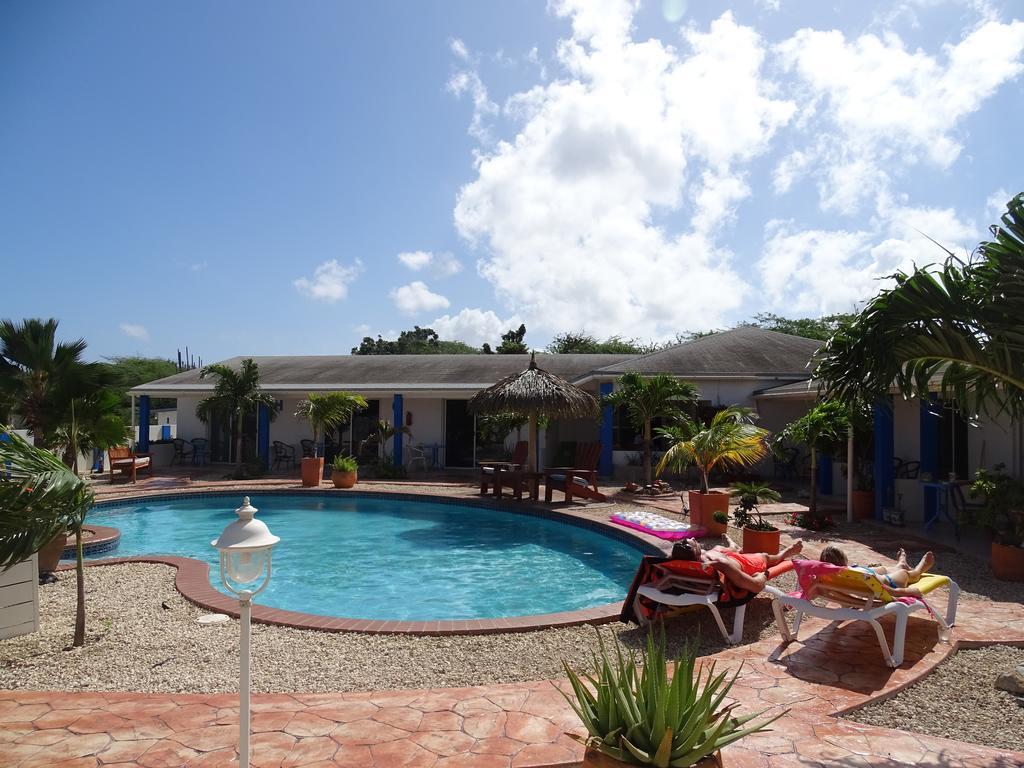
pixel 394 558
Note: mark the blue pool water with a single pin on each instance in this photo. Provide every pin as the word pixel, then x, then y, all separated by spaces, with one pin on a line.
pixel 377 558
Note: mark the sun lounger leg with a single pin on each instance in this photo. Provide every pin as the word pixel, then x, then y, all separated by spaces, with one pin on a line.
pixel 780 621
pixel 954 597
pixel 721 624
pixel 737 625
pixel 796 623
pixel 890 659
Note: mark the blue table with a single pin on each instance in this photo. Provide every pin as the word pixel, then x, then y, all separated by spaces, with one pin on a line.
pixel 942 507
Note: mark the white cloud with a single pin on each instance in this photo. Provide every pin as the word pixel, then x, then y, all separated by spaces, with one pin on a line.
pixel 473 326
pixel 567 213
pixel 135 331
pixel 878 105
pixel 363 329
pixel 440 264
pixel 330 280
pixel 821 271
pixel 199 266
pixel 416 260
pixel 995 205
pixel 416 297
pixel 459 49
pixel 789 169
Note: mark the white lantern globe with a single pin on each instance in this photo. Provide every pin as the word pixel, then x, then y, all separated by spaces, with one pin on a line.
pixel 245 550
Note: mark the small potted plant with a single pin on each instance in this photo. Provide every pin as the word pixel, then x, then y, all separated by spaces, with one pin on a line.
pixel 718 524
pixel 344 471
pixel 1003 514
pixel 758 534
pixel 730 439
pixel 636 715
pixel 863 500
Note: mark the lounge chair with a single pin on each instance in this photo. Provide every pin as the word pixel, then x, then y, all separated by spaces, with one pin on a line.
pixel 853 595
pixel 126 461
pixel 489 469
pixel 579 479
pixel 664 587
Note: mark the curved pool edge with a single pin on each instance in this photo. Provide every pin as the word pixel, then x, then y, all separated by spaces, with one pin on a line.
pixel 192 579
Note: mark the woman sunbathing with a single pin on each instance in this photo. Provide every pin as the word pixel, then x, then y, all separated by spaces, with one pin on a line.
pixel 747 571
pixel 895 578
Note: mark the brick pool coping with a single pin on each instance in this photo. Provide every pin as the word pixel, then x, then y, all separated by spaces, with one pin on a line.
pixel 103 539
pixel 192 579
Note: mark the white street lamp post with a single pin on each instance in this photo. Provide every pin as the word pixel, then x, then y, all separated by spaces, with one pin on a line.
pixel 245 549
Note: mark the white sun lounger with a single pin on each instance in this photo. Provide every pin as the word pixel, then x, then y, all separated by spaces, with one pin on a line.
pixel 853 595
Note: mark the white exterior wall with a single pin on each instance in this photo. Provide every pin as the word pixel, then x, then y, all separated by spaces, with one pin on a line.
pixel 427 421
pixel 19 599
pixel 189 426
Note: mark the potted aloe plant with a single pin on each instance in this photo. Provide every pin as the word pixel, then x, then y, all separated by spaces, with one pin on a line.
pixel 729 439
pixel 324 411
pixel 344 471
pixel 635 714
pixel 758 534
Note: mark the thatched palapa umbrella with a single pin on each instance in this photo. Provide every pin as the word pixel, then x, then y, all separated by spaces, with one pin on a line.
pixel 534 392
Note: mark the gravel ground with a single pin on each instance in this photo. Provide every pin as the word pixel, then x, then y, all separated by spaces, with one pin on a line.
pixel 134 644
pixel 958 701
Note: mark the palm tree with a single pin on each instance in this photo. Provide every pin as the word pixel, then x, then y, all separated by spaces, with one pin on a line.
pixel 39 376
pixel 646 399
pixel 959 325
pixel 236 394
pixel 823 427
pixel 328 411
pixel 40 498
pixel 730 439
pixel 95 423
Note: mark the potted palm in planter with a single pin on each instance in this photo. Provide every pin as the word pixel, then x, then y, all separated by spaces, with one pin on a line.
pixel 324 411
pixel 1003 514
pixel 730 439
pixel 822 428
pixel 636 715
pixel 344 471
pixel 758 534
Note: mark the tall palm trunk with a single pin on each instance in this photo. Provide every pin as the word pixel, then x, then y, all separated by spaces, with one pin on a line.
pixel 236 437
pixel 79 640
pixel 648 475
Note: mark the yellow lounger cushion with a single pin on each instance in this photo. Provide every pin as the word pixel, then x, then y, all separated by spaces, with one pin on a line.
pixel 854 580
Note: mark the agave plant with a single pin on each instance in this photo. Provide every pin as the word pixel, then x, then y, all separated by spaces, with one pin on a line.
pixel 750 494
pixel 636 714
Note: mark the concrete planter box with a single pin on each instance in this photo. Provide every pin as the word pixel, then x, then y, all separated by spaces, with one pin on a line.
pixel 19 599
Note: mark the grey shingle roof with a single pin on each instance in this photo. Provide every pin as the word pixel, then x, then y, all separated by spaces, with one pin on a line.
pixel 382 371
pixel 745 351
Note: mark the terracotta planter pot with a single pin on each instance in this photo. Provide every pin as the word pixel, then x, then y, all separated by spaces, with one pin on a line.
pixel 761 541
pixel 863 505
pixel 312 471
pixel 344 479
pixel 704 505
pixel 1007 562
pixel 595 759
pixel 715 528
pixel 49 555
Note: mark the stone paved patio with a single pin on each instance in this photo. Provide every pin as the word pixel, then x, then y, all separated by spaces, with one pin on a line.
pixel 525 724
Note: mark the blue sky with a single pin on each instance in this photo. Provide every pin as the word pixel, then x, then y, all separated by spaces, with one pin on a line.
pixel 269 178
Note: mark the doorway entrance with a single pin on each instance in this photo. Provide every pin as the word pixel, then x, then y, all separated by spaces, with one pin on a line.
pixel 459 435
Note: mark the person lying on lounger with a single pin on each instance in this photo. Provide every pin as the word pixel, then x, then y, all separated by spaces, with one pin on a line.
pixel 747 571
pixel 895 578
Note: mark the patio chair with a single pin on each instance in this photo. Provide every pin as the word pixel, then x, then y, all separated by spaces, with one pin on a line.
pixel 124 460
pixel 417 454
pixel 853 595
pixel 664 587
pixel 577 480
pixel 516 463
pixel 284 453
pixel 909 470
pixel 307 448
pixel 200 450
pixel 964 510
pixel 182 450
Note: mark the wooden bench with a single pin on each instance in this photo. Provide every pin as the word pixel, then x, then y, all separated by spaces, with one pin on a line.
pixel 126 461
